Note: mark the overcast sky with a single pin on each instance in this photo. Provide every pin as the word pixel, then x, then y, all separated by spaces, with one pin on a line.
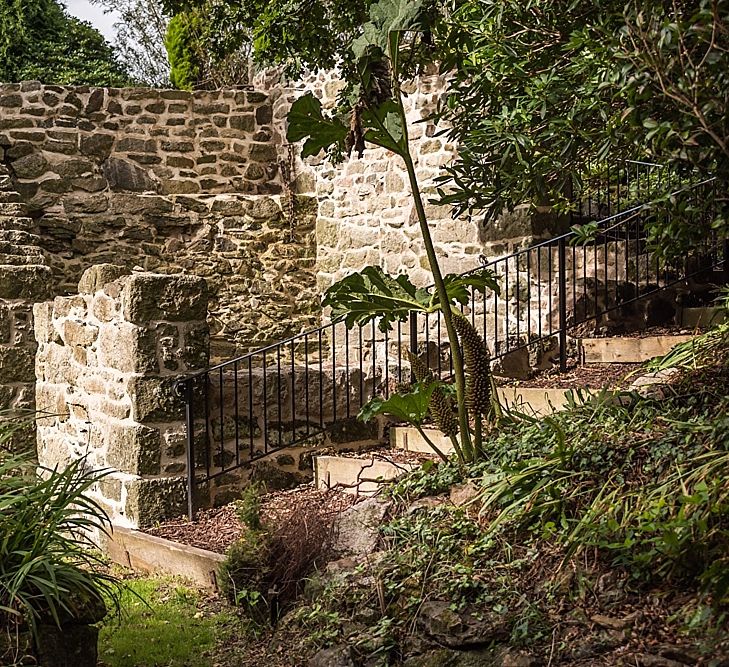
pixel 94 15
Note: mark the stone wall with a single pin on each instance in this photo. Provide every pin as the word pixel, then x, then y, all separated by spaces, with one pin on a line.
pixel 366 214
pixel 168 181
pixel 24 279
pixel 108 359
pixel 79 140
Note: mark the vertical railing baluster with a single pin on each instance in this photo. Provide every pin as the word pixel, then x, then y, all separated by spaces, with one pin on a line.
pixel 321 381
pixel 507 298
pixel 361 367
pixel 236 415
pixel 222 419
pixel 250 407
pixel 306 382
pixel 346 368
pixel 334 373
pixel 399 351
pixel 293 392
pixel 187 391
pixel 278 395
pixel 265 403
pixel 413 321
pixel 562 279
pixel 387 366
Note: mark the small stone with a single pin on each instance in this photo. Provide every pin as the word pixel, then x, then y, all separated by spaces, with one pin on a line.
pixel 97 145
pixel 123 175
pixel 30 166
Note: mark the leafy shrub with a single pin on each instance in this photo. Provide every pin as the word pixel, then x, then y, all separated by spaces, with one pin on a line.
pixel 49 572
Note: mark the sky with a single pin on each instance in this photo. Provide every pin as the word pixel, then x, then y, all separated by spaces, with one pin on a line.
pixel 94 15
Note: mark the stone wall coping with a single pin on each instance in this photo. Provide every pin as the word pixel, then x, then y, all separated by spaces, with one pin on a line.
pixel 129 93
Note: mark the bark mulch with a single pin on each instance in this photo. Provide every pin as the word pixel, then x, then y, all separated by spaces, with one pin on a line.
pixel 216 529
pixel 591 376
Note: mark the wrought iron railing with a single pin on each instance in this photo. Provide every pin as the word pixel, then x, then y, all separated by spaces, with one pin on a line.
pixel 293 391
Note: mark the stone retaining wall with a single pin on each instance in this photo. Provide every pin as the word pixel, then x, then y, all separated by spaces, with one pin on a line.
pixel 108 358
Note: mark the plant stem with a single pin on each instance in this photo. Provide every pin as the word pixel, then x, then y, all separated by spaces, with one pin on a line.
pixel 466 448
pixel 430 443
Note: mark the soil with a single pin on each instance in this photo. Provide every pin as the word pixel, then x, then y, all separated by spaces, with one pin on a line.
pixel 644 333
pixel 216 529
pixel 396 456
pixel 590 376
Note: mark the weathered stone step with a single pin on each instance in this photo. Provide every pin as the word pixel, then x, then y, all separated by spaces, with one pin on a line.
pixel 21 255
pixel 148 553
pixel 21 223
pixel 30 251
pixel 9 197
pixel 13 208
pixel 358 476
pixel 701 318
pixel 409 439
pixel 17 237
pixel 626 350
pixel 25 282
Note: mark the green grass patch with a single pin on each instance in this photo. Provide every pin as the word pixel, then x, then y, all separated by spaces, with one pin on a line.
pixel 163 622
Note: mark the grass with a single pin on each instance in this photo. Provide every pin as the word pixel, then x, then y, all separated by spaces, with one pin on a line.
pixel 163 622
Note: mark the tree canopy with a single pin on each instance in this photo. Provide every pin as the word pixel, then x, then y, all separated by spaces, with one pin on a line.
pixel 139 43
pixel 40 40
pixel 293 34
pixel 542 90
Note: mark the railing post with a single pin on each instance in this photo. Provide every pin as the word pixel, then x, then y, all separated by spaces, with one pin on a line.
pixel 184 390
pixel 413 341
pixel 562 281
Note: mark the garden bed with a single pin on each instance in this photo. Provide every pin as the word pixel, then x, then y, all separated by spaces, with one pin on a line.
pixel 216 529
pixel 593 376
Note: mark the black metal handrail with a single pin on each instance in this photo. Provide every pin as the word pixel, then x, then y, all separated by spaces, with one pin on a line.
pixel 292 391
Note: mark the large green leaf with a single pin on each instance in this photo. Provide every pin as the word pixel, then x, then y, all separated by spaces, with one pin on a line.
pixel 389 16
pixel 306 121
pixel 457 286
pixel 373 294
pixel 385 126
pixel 411 407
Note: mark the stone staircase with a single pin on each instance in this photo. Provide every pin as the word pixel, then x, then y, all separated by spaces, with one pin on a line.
pixel 25 278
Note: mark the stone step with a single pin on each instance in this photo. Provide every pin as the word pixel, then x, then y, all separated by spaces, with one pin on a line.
pixel 148 553
pixel 17 237
pixel 14 209
pixel 409 439
pixel 16 222
pixel 626 350
pixel 9 197
pixel 702 318
pixel 358 476
pixel 7 248
pixel 30 257
pixel 33 281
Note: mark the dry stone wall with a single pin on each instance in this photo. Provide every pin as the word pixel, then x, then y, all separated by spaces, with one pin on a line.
pixel 108 359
